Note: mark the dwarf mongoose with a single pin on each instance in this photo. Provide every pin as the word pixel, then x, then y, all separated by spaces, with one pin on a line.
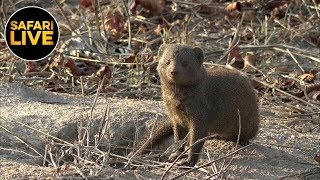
pixel 200 101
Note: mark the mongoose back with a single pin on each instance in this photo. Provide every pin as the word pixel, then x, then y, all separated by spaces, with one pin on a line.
pixel 201 102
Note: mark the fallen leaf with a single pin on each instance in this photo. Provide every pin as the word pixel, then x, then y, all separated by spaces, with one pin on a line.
pixel 315 38
pixel 237 63
pixel 3 45
pixel 276 9
pixel 114 24
pixel 31 66
pixel 249 60
pixel 270 5
pixel 317 158
pixel 57 62
pixel 235 52
pixel 308 77
pixel 104 71
pixel 85 3
pixel 315 95
pixel 130 59
pixel 74 70
pixel 248 4
pixel 313 87
pixel 158 29
pixel 142 29
pixel 236 59
pixel 288 84
pixel 235 6
pixel 153 6
pixel 307 89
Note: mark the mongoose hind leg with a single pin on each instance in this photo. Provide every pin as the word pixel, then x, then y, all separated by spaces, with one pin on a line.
pixel 161 130
pixel 243 141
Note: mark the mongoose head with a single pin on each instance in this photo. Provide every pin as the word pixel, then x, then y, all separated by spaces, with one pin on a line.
pixel 180 64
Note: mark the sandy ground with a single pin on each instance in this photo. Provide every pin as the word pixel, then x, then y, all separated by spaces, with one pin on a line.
pixel 278 151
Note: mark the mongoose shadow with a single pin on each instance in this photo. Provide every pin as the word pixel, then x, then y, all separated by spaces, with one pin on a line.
pixel 202 101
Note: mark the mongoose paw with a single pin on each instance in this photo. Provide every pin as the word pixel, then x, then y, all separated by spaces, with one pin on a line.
pixel 244 142
pixel 185 162
pixel 174 156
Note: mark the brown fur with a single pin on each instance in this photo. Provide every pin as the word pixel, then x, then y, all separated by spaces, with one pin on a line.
pixel 201 101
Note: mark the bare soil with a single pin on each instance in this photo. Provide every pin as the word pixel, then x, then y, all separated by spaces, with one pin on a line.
pixel 278 151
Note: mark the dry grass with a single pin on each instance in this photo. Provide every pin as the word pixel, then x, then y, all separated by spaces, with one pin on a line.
pixel 283 49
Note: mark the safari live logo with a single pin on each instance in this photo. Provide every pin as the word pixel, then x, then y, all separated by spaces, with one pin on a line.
pixel 32 33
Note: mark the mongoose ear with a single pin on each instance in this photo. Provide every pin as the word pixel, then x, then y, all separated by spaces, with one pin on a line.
pixel 161 50
pixel 198 51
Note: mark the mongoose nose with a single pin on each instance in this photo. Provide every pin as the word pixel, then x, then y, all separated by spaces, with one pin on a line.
pixel 174 73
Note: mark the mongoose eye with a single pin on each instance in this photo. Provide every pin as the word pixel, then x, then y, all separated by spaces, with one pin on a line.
pixel 184 64
pixel 168 62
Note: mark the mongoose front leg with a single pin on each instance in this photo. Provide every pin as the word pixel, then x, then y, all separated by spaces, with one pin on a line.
pixel 195 133
pixel 179 133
